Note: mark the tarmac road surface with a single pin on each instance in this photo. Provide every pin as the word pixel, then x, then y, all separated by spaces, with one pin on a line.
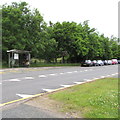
pixel 21 83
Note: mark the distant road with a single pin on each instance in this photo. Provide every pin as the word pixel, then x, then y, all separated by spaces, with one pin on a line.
pixel 18 83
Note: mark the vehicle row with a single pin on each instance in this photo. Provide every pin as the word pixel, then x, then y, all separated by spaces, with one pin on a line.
pixel 100 62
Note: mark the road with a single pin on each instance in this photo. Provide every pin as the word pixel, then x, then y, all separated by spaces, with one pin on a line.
pixel 20 83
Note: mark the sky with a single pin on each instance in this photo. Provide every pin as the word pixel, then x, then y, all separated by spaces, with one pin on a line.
pixel 102 14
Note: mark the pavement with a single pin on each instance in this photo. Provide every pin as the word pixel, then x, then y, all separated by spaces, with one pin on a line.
pixel 27 111
pixel 21 83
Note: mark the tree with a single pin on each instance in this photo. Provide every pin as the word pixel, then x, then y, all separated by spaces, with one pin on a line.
pixel 21 27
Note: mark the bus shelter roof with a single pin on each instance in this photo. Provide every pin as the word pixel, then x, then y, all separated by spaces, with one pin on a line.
pixel 18 51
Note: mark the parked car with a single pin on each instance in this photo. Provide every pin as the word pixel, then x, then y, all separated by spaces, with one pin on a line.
pixel 100 62
pixel 109 62
pixel 87 63
pixel 105 62
pixel 94 62
pixel 114 61
pixel 118 61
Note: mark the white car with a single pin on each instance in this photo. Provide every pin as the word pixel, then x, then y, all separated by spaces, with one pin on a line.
pixel 100 62
pixel 109 62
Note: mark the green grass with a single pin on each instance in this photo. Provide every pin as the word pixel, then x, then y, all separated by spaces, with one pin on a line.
pixel 98 99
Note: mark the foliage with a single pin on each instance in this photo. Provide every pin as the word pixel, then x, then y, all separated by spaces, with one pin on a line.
pixel 26 29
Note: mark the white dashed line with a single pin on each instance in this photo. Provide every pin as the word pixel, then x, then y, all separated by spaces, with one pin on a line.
pixel 90 69
pixel 85 70
pixel 75 71
pixel 65 85
pixel 48 90
pixel 79 82
pixel 24 95
pixel 95 78
pixel 102 77
pixel 61 73
pixel 69 72
pixel 113 74
pixel 14 80
pixel 0 83
pixel 29 78
pixel 89 80
pixel 86 79
pixel 42 76
pixel 52 74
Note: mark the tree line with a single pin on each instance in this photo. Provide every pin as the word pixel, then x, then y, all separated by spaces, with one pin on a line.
pixel 25 29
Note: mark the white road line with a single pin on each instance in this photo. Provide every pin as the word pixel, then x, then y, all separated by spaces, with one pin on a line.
pixel 42 76
pixel 14 80
pixel 66 85
pixel 52 74
pixel 85 70
pixel 69 72
pixel 61 73
pixel 0 83
pixel 79 82
pixel 24 95
pixel 87 80
pixel 113 74
pixel 29 78
pixel 75 71
pixel 48 90
pixel 95 78
pixel 90 69
pixel 102 77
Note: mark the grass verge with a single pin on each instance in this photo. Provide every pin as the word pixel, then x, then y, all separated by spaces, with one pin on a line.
pixel 98 99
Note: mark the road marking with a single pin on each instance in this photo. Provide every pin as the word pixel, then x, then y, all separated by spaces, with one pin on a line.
pixel 89 80
pixel 66 85
pixel 95 78
pixel 113 74
pixel 0 83
pixel 24 95
pixel 85 70
pixel 90 69
pixel 79 82
pixel 75 71
pixel 61 73
pixel 85 79
pixel 14 80
pixel 42 76
pixel 52 74
pixel 69 72
pixel 48 90
pixel 29 78
pixel 102 77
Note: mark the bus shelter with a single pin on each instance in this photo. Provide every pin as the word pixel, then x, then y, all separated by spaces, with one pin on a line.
pixel 18 58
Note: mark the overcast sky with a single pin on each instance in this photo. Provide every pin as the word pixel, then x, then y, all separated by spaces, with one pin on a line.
pixel 102 14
